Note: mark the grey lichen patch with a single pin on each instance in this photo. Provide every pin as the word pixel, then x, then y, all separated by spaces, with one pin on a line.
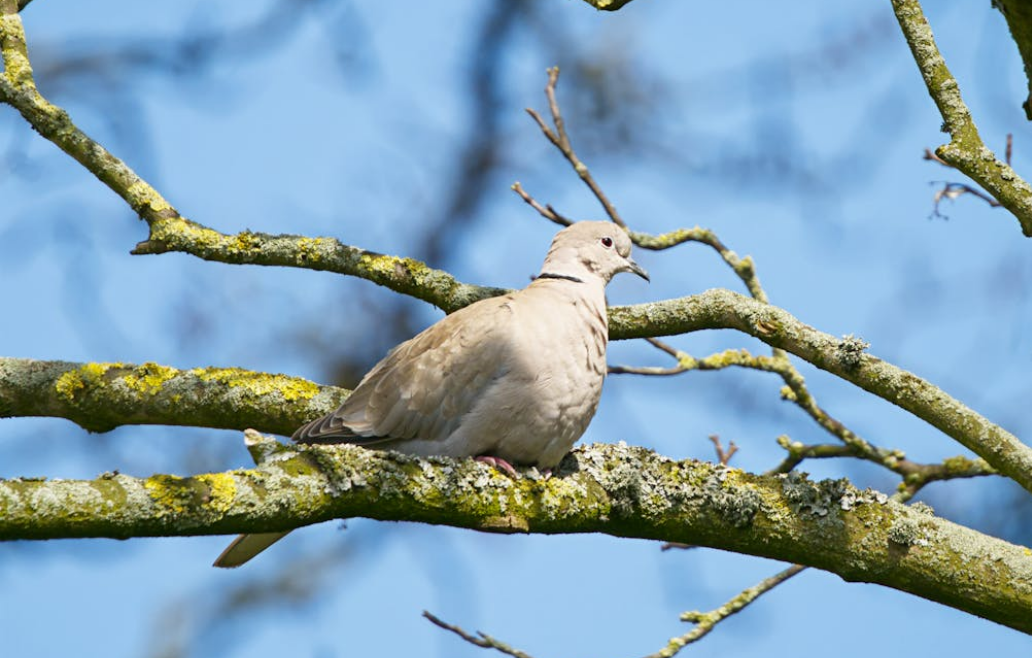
pixel 922 508
pixel 850 351
pixel 820 499
pixel 631 489
pixel 55 502
pixel 638 484
pixel 852 497
pixel 736 502
pixel 907 531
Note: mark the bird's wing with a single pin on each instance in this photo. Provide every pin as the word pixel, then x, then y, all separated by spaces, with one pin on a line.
pixel 425 385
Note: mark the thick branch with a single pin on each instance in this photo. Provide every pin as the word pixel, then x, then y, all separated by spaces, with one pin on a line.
pixel 102 396
pixel 611 489
pixel 966 151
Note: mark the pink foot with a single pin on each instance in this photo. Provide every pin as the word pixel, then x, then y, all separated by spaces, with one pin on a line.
pixel 498 463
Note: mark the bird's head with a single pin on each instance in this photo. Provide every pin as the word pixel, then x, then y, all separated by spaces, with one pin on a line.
pixel 600 249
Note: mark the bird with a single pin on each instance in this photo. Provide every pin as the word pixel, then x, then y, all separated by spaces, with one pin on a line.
pixel 514 379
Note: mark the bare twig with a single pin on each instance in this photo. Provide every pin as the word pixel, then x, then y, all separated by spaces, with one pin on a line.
pixel 546 211
pixel 953 191
pixel 929 154
pixel 795 387
pixel 707 621
pixel 914 475
pixel 723 456
pixel 561 140
pixel 484 640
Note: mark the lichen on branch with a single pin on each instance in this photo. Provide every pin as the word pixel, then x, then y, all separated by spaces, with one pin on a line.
pixel 612 489
pixel 102 396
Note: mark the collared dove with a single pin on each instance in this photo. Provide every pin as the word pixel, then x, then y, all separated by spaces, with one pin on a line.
pixel 509 380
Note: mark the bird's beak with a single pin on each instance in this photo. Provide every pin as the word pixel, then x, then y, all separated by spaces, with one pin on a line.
pixel 637 269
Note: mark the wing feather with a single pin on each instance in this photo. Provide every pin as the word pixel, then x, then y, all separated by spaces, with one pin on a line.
pixel 424 386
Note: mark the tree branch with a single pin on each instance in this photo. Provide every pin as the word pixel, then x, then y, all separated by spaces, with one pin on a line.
pixel 405 275
pixel 966 151
pixel 102 396
pixel 723 309
pixel 1018 14
pixel 611 489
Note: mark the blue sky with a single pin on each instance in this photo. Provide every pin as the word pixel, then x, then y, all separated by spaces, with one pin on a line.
pixel 794 132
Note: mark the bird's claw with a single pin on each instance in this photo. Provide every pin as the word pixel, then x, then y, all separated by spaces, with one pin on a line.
pixel 498 463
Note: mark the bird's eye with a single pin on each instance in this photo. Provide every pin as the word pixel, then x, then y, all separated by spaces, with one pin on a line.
pixel 607 242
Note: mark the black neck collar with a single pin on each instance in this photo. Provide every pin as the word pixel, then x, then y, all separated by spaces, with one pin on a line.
pixel 564 277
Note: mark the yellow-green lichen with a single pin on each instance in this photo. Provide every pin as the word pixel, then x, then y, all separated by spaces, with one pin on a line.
pixel 245 241
pixel 393 267
pixel 308 249
pixel 16 59
pixel 221 490
pixel 179 230
pixel 257 384
pixel 149 378
pixel 88 375
pixel 140 195
pixel 177 495
pixel 167 492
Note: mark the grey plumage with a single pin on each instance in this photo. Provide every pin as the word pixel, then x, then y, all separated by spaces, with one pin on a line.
pixel 516 378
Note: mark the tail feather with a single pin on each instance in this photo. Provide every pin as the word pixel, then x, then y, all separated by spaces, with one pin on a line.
pixel 245 547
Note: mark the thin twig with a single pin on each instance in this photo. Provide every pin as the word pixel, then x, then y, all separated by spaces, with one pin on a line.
pixel 561 140
pixel 723 456
pixel 914 475
pixel 929 154
pixel 546 211
pixel 485 641
pixel 953 191
pixel 795 387
pixel 707 621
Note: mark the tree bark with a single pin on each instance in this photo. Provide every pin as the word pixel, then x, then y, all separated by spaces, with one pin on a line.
pixel 611 489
